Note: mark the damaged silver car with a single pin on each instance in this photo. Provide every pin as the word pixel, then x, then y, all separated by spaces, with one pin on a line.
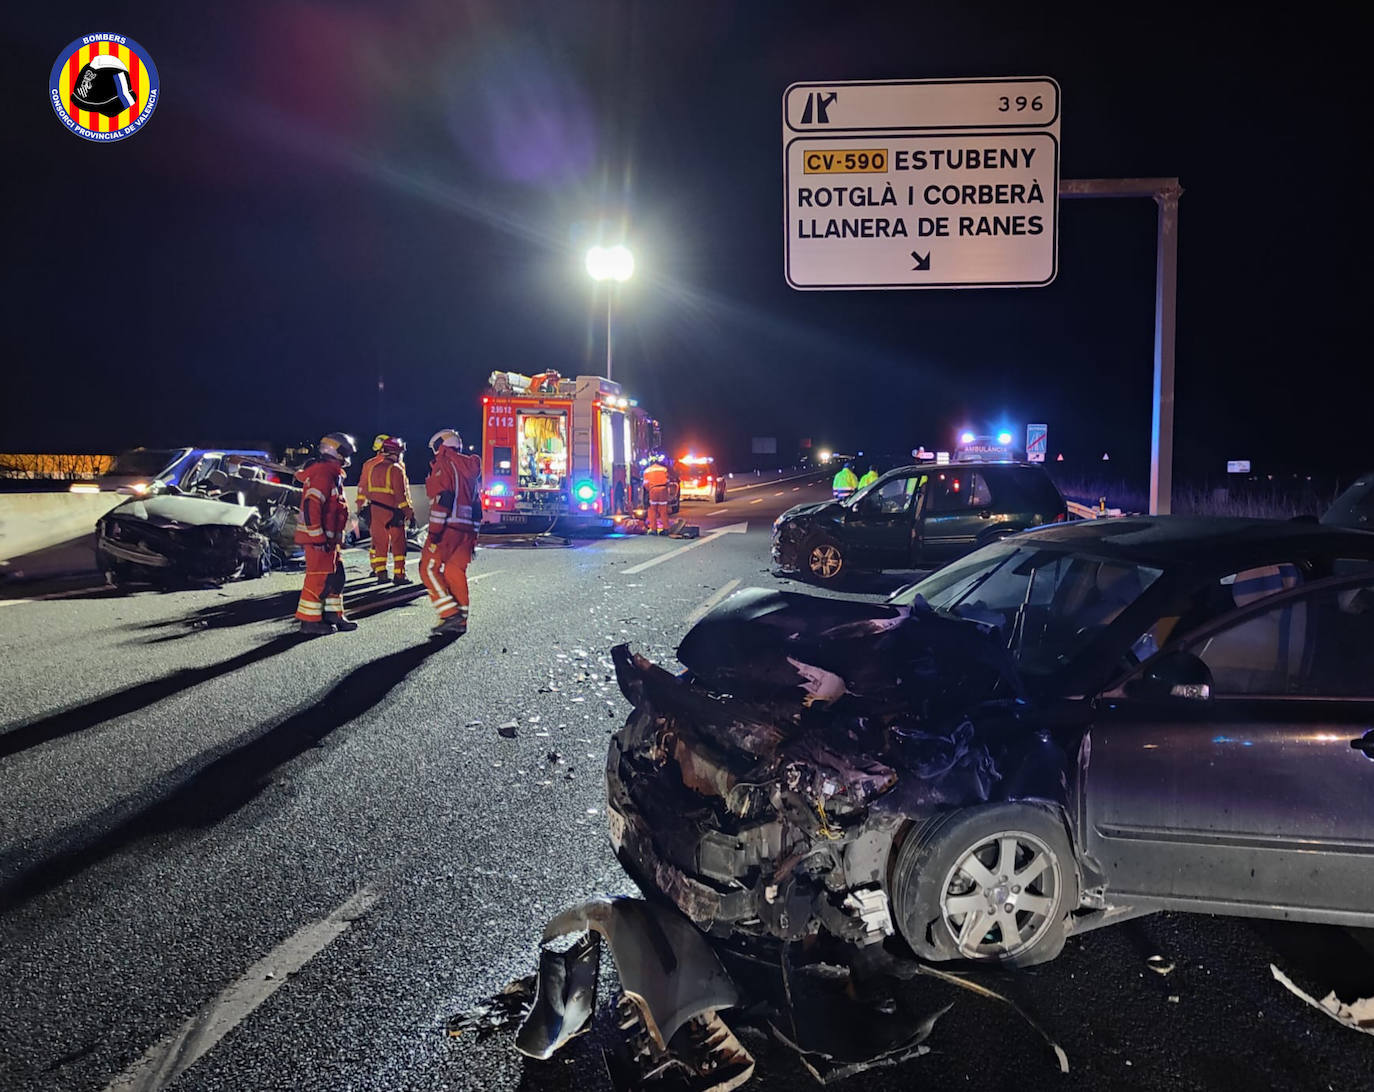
pixel 233 516
pixel 1079 725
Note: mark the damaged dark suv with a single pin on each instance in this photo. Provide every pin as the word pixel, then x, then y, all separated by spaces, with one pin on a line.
pixel 1077 725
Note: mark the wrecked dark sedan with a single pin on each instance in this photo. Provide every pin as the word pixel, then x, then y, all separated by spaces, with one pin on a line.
pixel 1081 724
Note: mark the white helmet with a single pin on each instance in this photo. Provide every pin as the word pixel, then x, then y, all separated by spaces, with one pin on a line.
pixel 339 445
pixel 446 437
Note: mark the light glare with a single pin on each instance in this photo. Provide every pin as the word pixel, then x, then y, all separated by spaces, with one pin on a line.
pixel 610 263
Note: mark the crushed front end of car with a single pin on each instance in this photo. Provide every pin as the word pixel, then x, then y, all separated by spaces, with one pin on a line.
pixel 762 794
pixel 763 790
pixel 178 539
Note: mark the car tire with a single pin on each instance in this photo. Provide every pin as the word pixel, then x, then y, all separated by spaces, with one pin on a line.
pixel 823 560
pixel 958 865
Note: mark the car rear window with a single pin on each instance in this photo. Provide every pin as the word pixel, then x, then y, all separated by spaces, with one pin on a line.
pixel 1026 487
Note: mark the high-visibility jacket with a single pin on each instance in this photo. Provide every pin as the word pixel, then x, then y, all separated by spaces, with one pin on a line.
pixel 384 482
pixel 845 479
pixel 324 508
pixel 868 479
pixel 453 486
pixel 655 476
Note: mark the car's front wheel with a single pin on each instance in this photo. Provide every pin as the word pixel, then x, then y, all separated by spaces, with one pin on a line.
pixel 825 559
pixel 992 884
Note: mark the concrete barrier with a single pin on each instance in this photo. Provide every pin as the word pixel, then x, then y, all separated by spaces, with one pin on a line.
pixel 50 534
pixel 44 535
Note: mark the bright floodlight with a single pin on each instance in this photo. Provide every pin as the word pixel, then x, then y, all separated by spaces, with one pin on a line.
pixel 824 455
pixel 610 263
pixel 1004 438
pixel 966 437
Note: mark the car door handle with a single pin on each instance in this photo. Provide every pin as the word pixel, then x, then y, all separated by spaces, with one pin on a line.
pixel 1365 743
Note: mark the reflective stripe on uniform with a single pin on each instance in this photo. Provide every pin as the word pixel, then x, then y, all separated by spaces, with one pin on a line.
pixel 313 492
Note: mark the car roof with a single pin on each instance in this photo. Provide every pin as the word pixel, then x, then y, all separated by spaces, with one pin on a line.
pixel 925 468
pixel 1168 540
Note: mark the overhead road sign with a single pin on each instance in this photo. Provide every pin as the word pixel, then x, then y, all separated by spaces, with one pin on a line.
pixel 1238 466
pixel 921 183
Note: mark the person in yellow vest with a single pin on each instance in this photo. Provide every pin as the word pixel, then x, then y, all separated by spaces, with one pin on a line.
pixel 845 482
pixel 384 489
pixel 869 477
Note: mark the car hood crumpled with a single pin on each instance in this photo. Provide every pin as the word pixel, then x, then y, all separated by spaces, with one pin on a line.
pixel 766 645
pixel 189 511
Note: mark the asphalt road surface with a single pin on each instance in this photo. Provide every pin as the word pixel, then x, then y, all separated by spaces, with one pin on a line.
pixel 260 862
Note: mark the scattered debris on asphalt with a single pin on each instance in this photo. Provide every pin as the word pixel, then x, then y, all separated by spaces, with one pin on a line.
pixel 508 729
pixel 1357 1015
pixel 681 1027
pixel 502 1012
pixel 1159 965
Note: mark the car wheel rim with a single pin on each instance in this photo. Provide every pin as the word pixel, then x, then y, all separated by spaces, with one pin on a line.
pixel 1002 896
pixel 825 561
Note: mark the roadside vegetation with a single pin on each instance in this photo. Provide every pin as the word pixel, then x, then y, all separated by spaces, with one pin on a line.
pixel 1255 496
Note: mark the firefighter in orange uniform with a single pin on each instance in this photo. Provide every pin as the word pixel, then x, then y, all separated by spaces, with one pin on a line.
pixel 323 517
pixel 656 485
pixel 384 489
pixel 455 512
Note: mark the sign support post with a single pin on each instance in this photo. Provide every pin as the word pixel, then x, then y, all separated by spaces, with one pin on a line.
pixel 1165 192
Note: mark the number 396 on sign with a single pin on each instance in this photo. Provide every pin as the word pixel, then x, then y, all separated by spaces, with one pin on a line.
pixel 841 161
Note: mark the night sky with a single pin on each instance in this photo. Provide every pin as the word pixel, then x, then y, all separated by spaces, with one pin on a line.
pixel 333 192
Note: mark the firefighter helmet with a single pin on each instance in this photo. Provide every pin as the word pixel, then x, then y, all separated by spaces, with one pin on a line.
pixel 339 445
pixel 102 86
pixel 379 440
pixel 393 445
pixel 446 437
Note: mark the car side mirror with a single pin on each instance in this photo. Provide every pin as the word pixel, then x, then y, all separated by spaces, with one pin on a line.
pixel 1172 677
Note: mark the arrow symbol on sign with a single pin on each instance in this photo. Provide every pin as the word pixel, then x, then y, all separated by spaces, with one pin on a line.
pixel 922 263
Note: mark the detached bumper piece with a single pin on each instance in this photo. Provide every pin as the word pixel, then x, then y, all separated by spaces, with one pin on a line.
pixel 673 988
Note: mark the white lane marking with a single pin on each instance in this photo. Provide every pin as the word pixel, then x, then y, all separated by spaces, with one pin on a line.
pixel 483 576
pixel 167 1060
pixel 779 493
pixel 796 489
pixel 15 602
pixel 758 501
pixel 733 529
pixel 706 607
pixel 761 483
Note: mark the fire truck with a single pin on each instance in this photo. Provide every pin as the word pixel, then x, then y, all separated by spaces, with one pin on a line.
pixel 556 449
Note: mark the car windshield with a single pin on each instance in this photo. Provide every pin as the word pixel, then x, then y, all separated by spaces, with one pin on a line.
pixel 1048 605
pixel 142 463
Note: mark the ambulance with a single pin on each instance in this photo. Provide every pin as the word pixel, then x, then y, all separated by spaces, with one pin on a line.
pixel 700 480
pixel 562 450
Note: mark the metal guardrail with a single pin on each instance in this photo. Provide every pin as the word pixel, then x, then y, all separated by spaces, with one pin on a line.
pixel 1087 511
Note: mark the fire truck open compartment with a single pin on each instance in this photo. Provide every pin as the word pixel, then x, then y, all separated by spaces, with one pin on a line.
pixel 542 436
